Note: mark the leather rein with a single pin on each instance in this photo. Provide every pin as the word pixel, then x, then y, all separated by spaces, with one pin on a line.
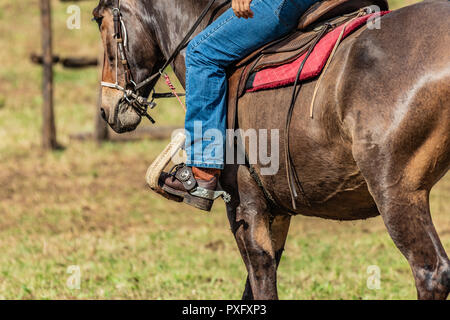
pixel 131 90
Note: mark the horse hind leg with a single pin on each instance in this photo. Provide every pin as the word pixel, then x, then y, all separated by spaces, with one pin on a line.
pixel 406 214
pixel 407 218
pixel 400 170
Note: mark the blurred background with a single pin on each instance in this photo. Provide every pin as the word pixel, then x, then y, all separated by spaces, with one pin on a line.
pixel 85 207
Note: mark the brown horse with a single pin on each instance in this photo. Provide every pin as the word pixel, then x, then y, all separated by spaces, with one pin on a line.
pixel 379 140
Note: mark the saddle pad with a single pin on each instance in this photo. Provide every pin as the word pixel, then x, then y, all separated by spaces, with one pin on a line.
pixel 284 75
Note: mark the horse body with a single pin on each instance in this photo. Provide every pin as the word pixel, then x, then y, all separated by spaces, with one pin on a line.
pixel 364 97
pixel 379 140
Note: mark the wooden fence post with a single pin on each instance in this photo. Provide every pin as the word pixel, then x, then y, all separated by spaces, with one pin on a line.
pixel 48 119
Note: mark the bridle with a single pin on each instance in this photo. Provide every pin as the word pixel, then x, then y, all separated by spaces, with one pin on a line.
pixel 131 90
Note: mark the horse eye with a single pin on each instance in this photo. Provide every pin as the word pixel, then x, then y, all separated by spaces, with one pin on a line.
pixel 98 20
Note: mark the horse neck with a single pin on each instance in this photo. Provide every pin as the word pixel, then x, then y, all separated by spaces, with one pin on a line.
pixel 171 20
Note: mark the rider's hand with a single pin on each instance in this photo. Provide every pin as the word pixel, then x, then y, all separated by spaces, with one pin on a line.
pixel 242 9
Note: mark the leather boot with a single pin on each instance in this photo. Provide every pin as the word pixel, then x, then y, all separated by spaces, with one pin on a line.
pixel 194 186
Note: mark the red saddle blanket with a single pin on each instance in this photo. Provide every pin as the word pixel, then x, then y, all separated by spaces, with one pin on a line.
pixel 284 75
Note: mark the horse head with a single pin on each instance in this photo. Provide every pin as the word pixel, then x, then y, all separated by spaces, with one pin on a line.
pixel 131 54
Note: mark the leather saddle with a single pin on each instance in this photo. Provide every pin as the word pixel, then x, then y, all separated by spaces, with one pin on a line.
pixel 327 9
pixel 295 44
pixel 321 18
pixel 290 47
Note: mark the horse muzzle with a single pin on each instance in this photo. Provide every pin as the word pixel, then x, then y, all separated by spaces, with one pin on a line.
pixel 124 118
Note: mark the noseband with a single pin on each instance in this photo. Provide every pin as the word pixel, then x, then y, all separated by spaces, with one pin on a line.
pixel 131 89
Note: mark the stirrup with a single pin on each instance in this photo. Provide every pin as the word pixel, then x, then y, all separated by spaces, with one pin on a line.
pixel 155 170
pixel 184 174
pixel 194 195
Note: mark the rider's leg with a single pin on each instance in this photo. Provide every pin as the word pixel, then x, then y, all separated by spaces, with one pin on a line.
pixel 225 41
pixel 208 55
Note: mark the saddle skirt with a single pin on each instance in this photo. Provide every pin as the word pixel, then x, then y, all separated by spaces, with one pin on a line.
pixel 266 75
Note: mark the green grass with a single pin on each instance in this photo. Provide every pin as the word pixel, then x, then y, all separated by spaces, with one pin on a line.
pixel 88 205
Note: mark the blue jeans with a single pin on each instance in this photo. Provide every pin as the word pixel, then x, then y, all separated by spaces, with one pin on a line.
pixel 224 42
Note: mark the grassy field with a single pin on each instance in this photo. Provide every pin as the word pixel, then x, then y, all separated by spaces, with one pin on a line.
pixel 87 205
